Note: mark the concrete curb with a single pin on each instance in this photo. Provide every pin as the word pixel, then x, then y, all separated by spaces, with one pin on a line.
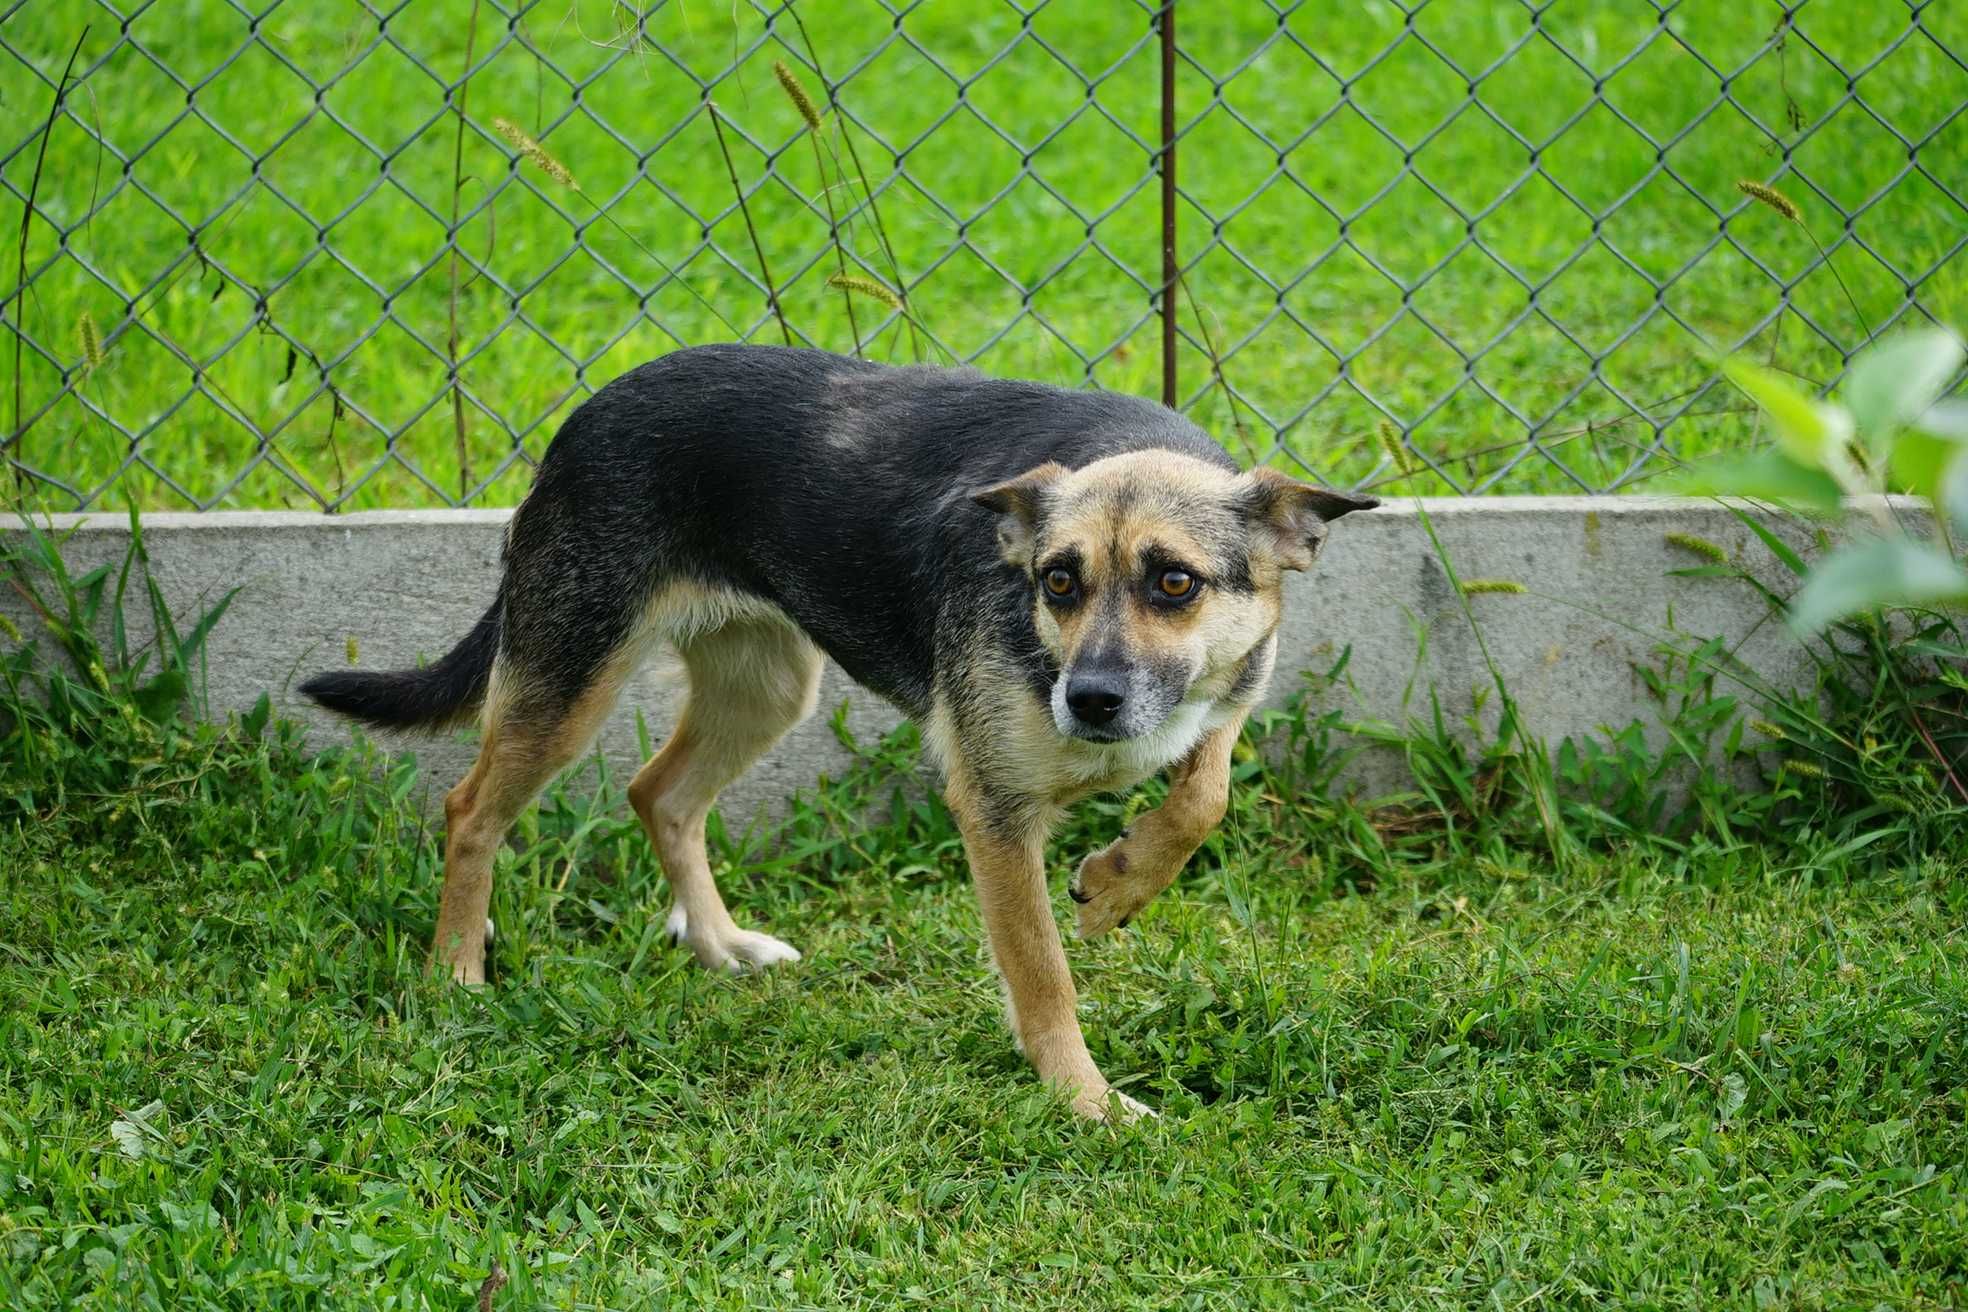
pixel 402 586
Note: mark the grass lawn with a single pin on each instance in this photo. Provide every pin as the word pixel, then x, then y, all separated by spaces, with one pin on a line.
pixel 315 303
pixel 1422 1071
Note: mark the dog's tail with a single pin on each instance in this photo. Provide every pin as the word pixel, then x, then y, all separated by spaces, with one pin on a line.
pixel 435 697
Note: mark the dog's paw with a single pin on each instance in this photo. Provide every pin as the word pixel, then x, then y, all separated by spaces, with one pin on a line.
pixel 743 950
pixel 1113 1107
pixel 465 968
pixel 1108 891
pixel 735 950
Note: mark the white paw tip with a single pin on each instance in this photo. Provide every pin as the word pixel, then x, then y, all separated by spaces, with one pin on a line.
pixel 757 951
pixel 1115 1108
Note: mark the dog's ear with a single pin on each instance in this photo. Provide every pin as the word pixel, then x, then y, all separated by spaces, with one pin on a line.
pixel 1016 504
pixel 1290 517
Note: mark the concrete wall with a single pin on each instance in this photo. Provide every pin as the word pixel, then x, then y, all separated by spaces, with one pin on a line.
pixel 403 586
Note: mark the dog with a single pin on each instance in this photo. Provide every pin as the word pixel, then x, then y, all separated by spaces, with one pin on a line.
pixel 1068 591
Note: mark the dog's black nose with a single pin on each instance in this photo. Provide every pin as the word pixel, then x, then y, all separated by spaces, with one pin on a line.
pixel 1095 696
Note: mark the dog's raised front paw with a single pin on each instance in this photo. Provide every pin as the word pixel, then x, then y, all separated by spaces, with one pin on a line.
pixel 1109 891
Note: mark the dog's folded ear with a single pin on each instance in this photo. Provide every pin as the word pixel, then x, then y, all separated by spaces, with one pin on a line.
pixel 1017 503
pixel 1290 517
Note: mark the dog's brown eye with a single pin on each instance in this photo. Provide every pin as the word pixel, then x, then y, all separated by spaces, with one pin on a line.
pixel 1059 582
pixel 1176 583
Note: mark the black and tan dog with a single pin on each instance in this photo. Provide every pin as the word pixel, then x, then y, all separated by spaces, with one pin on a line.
pixel 1067 590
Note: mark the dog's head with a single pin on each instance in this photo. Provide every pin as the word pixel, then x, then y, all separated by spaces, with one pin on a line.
pixel 1155 577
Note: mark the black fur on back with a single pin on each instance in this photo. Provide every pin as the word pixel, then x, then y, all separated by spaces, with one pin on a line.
pixel 838 489
pixel 432 698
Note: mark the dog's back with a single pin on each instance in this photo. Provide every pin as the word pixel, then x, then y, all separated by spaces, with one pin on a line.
pixel 837 490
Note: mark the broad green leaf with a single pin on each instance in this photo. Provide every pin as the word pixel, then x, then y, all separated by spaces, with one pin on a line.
pixel 1891 572
pixel 133 1130
pixel 1917 461
pixel 160 699
pixel 1898 379
pixel 1947 418
pixel 255 720
pixel 1782 550
pixel 1810 431
pixel 1766 476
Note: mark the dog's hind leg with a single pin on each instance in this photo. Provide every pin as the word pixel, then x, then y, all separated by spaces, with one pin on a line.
pixel 750 681
pixel 529 735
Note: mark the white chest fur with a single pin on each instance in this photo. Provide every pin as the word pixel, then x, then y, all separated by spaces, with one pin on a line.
pixel 1083 766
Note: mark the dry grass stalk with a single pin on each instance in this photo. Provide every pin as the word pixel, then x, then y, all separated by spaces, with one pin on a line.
pixel 451 235
pixel 803 103
pixel 861 175
pixel 15 434
pixel 758 247
pixel 538 155
pixel 1764 194
pixel 1216 371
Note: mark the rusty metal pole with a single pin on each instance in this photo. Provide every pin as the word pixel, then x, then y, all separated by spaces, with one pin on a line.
pixel 1171 270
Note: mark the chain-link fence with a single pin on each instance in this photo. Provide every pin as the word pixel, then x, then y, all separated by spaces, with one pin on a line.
pixel 355 254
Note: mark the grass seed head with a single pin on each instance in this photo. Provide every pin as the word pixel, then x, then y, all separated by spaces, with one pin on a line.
pixel 1473 587
pixel 868 287
pixel 1764 194
pixel 536 152
pixel 1390 442
pixel 1698 546
pixel 90 340
pixel 797 94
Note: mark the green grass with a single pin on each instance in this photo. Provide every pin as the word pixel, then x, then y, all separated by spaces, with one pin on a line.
pixel 970 228
pixel 1392 1071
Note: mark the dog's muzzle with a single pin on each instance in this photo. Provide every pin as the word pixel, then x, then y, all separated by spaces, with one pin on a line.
pixel 1111 701
pixel 1096 697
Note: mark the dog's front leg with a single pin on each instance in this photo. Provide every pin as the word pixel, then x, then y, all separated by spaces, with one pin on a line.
pixel 1007 863
pixel 1121 878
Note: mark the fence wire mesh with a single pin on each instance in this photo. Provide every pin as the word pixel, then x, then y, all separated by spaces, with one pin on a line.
pixel 360 254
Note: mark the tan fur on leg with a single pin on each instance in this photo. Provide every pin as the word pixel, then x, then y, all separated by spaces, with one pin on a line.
pixel 519 752
pixel 750 681
pixel 1123 877
pixel 1009 872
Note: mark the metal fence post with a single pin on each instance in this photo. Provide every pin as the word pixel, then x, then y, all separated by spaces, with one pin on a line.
pixel 1171 268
